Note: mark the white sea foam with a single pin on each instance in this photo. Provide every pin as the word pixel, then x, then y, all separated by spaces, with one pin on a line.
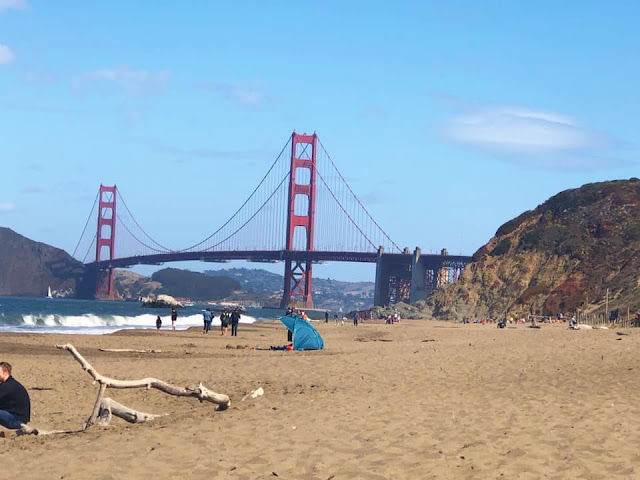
pixel 92 324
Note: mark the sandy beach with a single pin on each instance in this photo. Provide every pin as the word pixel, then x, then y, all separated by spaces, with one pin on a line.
pixel 415 400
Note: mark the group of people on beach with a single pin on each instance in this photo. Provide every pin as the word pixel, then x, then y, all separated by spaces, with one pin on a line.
pixel 174 319
pixel 226 317
pixel 358 317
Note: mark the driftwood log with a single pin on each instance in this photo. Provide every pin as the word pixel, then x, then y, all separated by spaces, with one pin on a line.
pixel 104 408
pixel 109 407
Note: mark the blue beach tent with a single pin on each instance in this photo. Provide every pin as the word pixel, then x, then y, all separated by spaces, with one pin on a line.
pixel 305 337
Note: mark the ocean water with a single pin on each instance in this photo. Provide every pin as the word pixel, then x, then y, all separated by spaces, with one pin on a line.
pixel 61 315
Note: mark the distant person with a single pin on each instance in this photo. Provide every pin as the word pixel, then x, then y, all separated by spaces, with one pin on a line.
pixel 158 322
pixel 326 316
pixel 174 319
pixel 335 318
pixel 15 406
pixel 224 322
pixel 235 319
pixel 356 317
pixel 206 317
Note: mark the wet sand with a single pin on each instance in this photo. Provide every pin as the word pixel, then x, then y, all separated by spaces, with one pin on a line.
pixel 415 400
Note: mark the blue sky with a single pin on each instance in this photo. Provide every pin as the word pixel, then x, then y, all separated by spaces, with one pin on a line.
pixel 446 118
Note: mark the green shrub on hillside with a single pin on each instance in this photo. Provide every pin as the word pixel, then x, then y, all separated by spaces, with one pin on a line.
pixel 194 285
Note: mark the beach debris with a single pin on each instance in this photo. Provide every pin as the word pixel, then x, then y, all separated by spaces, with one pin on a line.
pixel 620 333
pixel 258 392
pixel 129 350
pixel 104 408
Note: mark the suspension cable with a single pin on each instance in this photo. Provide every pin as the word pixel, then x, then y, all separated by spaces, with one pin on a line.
pixel 138 225
pixel 86 224
pixel 122 223
pixel 252 216
pixel 357 199
pixel 95 239
pixel 344 211
pixel 241 207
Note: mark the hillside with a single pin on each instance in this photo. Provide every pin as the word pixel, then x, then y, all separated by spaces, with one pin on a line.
pixel 129 285
pixel 28 268
pixel 266 288
pixel 560 257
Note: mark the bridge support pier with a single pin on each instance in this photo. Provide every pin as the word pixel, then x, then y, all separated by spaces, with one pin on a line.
pixel 393 278
pixel 410 278
pixel 419 290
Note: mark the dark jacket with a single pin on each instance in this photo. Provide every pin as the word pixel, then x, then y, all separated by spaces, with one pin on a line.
pixel 15 400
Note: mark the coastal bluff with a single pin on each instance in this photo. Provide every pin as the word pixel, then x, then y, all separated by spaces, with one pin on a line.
pixel 29 268
pixel 579 250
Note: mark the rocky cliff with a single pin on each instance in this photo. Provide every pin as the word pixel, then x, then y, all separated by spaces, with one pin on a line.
pixel 562 256
pixel 28 268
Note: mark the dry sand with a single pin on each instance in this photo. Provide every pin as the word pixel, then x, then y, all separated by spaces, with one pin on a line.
pixel 415 400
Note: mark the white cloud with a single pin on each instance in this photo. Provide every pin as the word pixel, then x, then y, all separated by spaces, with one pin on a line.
pixel 7 207
pixel 130 81
pixel 12 5
pixel 6 55
pixel 245 94
pixel 534 137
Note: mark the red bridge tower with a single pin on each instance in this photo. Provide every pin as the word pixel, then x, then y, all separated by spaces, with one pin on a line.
pixel 300 220
pixel 105 240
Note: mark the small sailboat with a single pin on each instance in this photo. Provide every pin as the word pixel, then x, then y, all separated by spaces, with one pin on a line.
pixel 49 292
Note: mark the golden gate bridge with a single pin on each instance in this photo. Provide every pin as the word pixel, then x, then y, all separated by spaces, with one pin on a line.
pixel 302 212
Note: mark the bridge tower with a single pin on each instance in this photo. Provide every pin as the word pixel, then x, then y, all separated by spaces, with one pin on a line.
pixel 300 220
pixel 105 240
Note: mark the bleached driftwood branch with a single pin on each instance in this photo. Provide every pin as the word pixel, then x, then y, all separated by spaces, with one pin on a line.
pixel 108 405
pixel 29 430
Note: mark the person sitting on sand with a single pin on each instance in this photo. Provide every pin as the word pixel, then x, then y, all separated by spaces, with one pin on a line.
pixel 15 405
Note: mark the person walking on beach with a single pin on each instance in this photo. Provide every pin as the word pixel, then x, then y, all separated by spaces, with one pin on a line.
pixel 158 322
pixel 15 405
pixel 356 316
pixel 206 316
pixel 335 318
pixel 224 322
pixel 326 316
pixel 235 319
pixel 174 318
